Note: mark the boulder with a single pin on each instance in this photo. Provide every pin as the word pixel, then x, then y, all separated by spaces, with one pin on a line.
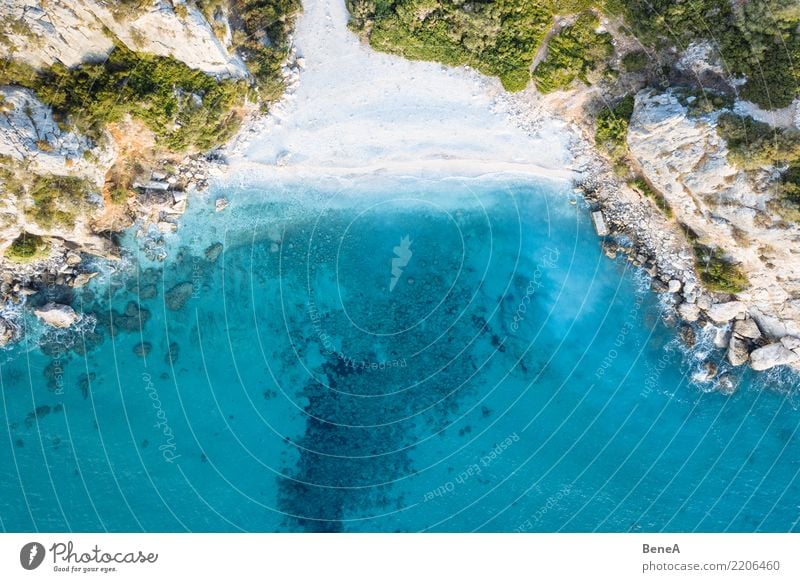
pixel 746 328
pixel 688 311
pixel 178 295
pixel 220 204
pixel 790 342
pixel 738 353
pixel 725 312
pixel 688 335
pixel 674 285
pixel 7 331
pixel 772 355
pixel 57 315
pixel 726 385
pixel 82 278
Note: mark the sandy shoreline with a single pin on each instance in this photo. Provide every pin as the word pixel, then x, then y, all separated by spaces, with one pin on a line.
pixel 357 111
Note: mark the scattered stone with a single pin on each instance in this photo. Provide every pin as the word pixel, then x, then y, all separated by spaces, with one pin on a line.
pixel 213 252
pixel 178 295
pixel 772 355
pixel 689 311
pixel 57 315
pixel 674 286
pixel 142 349
pixel 725 312
pixel 738 353
pixel 746 328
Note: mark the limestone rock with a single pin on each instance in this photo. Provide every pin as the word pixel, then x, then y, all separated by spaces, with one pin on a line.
pixel 746 328
pixel 725 312
pixel 82 279
pixel 790 342
pixel 674 286
pixel 688 311
pixel 7 331
pixel 772 355
pixel 738 353
pixel 57 315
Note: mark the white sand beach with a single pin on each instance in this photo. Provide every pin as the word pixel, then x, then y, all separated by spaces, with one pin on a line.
pixel 357 111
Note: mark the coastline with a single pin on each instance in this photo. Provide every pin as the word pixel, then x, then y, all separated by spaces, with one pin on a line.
pixel 350 111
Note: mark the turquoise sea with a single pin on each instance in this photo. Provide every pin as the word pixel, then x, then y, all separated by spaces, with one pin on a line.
pixel 385 355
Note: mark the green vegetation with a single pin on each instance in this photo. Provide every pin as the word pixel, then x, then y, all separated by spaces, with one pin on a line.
pixel 702 101
pixel 57 199
pixel 496 38
pixel 262 39
pixel 759 40
pixel 184 107
pixel 27 248
pixel 574 53
pixel 753 144
pixel 641 185
pixel 717 272
pixel 611 127
pixel 635 61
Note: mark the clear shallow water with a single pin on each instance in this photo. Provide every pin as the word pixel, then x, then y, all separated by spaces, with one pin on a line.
pixel 504 376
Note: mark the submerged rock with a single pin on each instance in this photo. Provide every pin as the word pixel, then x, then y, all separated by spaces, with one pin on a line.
pixel 57 315
pixel 726 385
pixel 142 349
pixel 688 335
pixel 178 295
pixel 213 252
pixel 172 353
pixel 772 355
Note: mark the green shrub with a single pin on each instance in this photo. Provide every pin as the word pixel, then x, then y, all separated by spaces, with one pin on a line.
pixel 716 272
pixel 56 199
pixel 753 144
pixel 27 248
pixel 611 127
pixel 635 61
pixel 574 53
pixel 496 38
pixel 702 101
pixel 641 185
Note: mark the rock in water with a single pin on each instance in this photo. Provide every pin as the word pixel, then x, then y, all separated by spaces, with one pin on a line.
pixel 7 331
pixel 771 356
pixel 688 335
pixel 177 297
pixel 57 315
pixel 142 349
pixel 737 351
pixel 213 252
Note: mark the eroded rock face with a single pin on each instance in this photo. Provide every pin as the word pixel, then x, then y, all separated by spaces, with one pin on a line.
pixel 72 32
pixel 772 355
pixel 686 161
pixel 57 315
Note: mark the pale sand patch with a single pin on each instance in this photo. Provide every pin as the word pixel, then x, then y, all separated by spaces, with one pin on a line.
pixel 357 111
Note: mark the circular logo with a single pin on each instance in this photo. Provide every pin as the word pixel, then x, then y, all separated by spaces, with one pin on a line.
pixel 31 555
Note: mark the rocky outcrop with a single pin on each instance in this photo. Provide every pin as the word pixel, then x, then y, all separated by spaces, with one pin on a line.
pixel 57 315
pixel 772 355
pixel 685 160
pixel 7 331
pixel 76 31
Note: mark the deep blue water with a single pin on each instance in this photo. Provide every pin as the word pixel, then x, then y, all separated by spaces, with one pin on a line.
pixel 505 376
